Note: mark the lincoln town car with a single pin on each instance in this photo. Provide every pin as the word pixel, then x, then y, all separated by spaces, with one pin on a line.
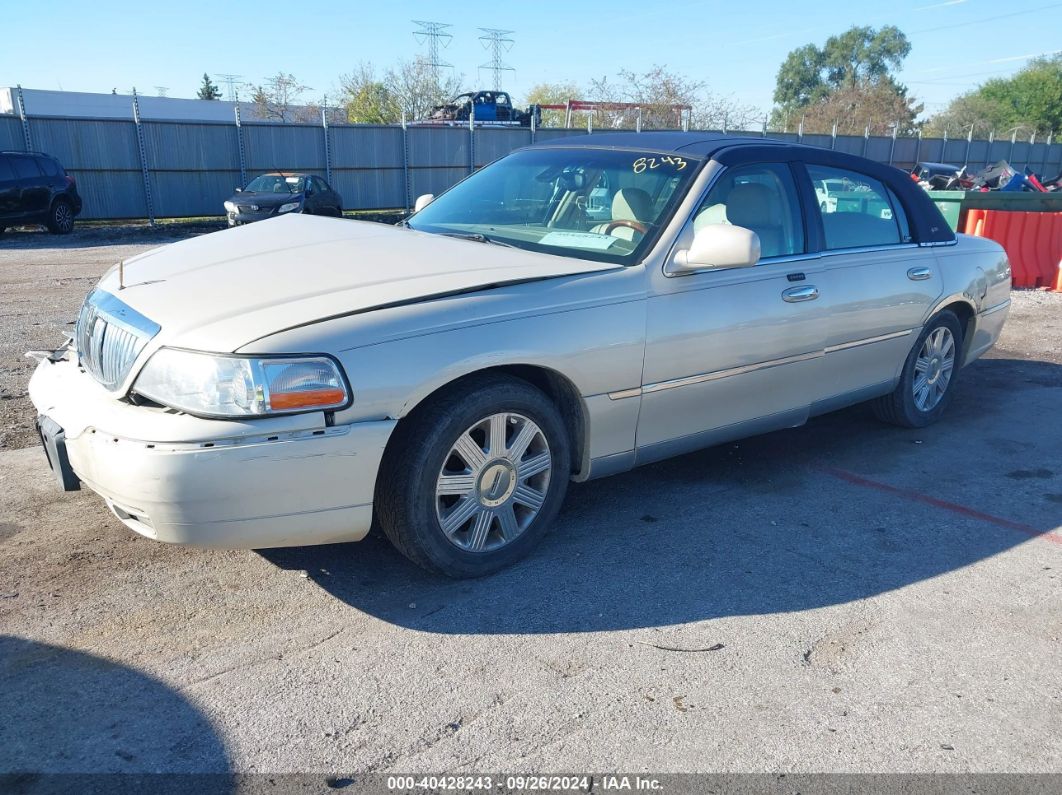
pixel 577 308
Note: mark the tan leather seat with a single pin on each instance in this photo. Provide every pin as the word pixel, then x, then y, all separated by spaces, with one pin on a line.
pixel 754 207
pixel 628 204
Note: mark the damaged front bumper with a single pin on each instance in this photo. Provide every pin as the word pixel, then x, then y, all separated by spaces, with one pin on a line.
pixel 262 482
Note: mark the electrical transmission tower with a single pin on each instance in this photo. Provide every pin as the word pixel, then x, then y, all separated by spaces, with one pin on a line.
pixel 231 83
pixel 497 41
pixel 435 34
pixel 162 90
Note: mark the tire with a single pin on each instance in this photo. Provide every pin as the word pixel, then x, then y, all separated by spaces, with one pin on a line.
pixel 61 217
pixel 909 407
pixel 426 451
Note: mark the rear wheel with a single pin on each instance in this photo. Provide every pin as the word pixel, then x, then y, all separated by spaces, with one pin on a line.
pixel 473 479
pixel 61 218
pixel 928 377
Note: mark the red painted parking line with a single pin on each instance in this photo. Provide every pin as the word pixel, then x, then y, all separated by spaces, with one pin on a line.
pixel 962 510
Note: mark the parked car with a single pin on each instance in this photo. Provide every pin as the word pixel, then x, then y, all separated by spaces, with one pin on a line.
pixel 938 176
pixel 280 193
pixel 287 383
pixel 35 189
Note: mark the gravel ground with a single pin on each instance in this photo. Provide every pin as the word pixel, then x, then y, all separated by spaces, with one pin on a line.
pixel 844 596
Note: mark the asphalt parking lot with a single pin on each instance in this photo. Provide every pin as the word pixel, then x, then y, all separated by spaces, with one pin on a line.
pixel 842 597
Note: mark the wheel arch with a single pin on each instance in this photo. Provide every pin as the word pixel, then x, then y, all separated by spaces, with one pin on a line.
pixel 963 309
pixel 560 389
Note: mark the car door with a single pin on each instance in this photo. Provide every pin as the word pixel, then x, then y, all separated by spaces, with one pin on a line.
pixel 32 184
pixel 9 191
pixel 329 198
pixel 880 283
pixel 733 352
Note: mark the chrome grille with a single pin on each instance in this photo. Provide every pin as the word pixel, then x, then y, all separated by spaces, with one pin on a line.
pixel 109 337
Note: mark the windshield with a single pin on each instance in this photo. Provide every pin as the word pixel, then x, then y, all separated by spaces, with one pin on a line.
pixel 276 183
pixel 589 203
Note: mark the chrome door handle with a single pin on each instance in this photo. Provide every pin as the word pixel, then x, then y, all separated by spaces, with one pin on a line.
pixel 919 274
pixel 796 294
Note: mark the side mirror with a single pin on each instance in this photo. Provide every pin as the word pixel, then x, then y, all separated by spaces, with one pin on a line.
pixel 719 246
pixel 423 201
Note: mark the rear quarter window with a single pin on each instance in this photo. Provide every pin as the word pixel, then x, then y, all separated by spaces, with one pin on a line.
pixel 48 166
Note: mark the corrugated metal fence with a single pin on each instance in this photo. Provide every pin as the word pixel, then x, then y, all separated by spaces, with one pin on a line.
pixel 189 168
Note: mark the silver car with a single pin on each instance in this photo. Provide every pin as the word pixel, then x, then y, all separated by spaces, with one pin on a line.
pixel 294 381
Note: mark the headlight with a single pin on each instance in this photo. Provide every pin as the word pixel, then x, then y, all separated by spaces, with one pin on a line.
pixel 230 207
pixel 235 386
pixel 287 208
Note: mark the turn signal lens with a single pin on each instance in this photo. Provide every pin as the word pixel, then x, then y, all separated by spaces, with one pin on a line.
pixel 303 384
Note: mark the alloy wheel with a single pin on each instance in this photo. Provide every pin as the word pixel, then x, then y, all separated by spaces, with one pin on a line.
pixel 933 368
pixel 493 482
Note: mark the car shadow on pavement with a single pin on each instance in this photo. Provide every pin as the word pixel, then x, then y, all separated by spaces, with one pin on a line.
pixel 760 526
pixel 67 712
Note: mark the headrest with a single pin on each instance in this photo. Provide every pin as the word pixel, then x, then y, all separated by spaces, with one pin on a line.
pixel 751 205
pixel 713 214
pixel 632 204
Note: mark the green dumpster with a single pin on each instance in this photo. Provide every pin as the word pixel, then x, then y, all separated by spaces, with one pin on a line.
pixel 949 202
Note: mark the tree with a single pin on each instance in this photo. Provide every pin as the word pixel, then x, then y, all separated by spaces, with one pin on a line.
pixel 553 94
pixel 849 81
pixel 416 87
pixel 208 90
pixel 366 99
pixel 280 98
pixel 658 92
pixel 1030 101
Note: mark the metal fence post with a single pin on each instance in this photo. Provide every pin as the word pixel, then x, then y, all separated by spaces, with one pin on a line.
pixel 1047 154
pixel 143 159
pixel 918 147
pixel 969 143
pixel 472 140
pixel 27 139
pixel 1013 141
pixel 764 127
pixel 327 147
pixel 866 139
pixel 833 137
pixel 405 163
pixel 638 120
pixel 239 143
pixel 800 130
pixel 892 146
pixel 534 124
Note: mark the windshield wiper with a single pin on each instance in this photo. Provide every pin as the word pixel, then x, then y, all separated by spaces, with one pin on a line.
pixel 479 237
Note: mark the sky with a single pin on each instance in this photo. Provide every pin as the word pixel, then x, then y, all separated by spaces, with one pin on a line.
pixel 734 47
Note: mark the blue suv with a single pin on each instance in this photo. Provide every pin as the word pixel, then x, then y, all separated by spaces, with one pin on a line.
pixel 35 189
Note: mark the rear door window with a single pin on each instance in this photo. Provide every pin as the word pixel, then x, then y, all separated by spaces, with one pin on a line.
pixel 7 173
pixel 25 167
pixel 857 210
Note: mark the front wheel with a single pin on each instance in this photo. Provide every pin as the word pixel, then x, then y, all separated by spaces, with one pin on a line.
pixel 474 478
pixel 928 377
pixel 61 218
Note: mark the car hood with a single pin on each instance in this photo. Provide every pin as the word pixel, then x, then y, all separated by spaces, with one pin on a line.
pixel 265 199
pixel 221 291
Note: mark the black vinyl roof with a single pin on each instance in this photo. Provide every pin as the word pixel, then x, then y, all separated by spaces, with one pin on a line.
pixel 690 143
pixel 926 222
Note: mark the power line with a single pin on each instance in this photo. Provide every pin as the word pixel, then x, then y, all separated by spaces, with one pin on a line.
pixel 435 34
pixel 231 81
pixel 921 31
pixel 497 41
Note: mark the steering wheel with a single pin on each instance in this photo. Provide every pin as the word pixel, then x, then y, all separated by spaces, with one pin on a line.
pixel 637 226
